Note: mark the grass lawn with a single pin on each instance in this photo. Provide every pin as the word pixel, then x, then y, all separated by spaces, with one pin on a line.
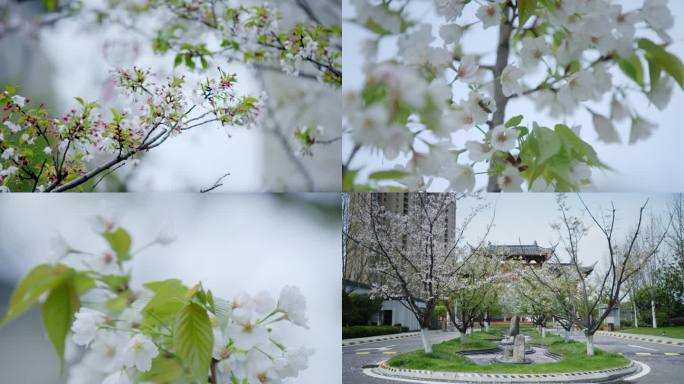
pixel 676 332
pixel 444 358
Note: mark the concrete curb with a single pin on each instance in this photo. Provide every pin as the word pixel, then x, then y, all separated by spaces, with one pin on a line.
pixel 646 338
pixel 576 377
pixel 373 339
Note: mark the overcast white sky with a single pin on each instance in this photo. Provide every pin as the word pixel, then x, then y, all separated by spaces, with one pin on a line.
pixel 229 242
pixel 647 166
pixel 525 218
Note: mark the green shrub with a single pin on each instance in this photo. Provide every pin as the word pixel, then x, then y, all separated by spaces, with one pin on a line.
pixel 355 331
pixel 357 309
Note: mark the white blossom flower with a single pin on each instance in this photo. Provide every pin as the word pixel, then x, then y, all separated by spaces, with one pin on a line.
pixel 533 50
pixel 657 14
pixel 47 150
pixel 139 353
pixel 294 361
pixel 59 248
pixel 106 350
pixel 415 49
pixel 618 111
pixel 13 127
pixel 510 180
pixel 661 94
pixel 8 153
pixel 243 308
pixel 641 129
pixel 478 151
pixel 468 70
pixel 579 172
pixel 19 100
pixel 450 9
pixel 489 14
pixel 166 235
pixel 86 324
pixel 450 33
pixel 261 369
pixel 503 139
pixel 293 304
pixel 461 177
pixel 368 125
pixel 104 263
pixel 118 377
pixel 510 80
pixel 604 129
pixel 264 303
pixel 247 335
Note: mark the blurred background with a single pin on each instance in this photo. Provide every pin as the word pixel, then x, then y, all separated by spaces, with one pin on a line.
pixel 645 166
pixel 53 57
pixel 229 242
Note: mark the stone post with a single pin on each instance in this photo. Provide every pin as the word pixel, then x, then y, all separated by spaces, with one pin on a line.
pixel 519 349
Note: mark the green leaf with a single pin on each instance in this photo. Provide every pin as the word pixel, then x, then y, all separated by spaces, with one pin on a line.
pixel 58 314
pixel 120 242
pixel 654 70
pixel 171 296
pixel 633 69
pixel 51 5
pixel 514 121
pixel 392 174
pixel 178 60
pixel 584 151
pixel 548 141
pixel 38 281
pixel 525 10
pixel 348 179
pixel 204 62
pixel 669 62
pixel 164 370
pixel 194 339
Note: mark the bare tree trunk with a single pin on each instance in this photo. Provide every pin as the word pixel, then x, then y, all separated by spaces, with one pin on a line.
pixel 636 315
pixel 502 52
pixel 653 316
pixel 590 345
pixel 567 335
pixel 463 337
pixel 427 346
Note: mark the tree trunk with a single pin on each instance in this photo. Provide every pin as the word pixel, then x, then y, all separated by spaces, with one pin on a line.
pixel 463 337
pixel 636 315
pixel 427 346
pixel 653 316
pixel 543 332
pixel 590 345
pixel 567 335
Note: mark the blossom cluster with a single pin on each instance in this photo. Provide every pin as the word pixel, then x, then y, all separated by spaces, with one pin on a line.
pixel 39 152
pixel 165 330
pixel 407 106
pixel 251 34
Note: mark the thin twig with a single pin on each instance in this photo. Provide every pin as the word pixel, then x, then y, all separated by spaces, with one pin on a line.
pixel 217 183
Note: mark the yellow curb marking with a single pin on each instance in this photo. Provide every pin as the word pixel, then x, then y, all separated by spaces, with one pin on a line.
pixel 363 353
pixel 672 354
pixel 643 354
pixel 389 353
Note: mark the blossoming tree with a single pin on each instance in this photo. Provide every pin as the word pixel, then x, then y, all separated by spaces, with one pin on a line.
pixel 43 152
pixel 580 296
pixel 559 54
pixel 414 258
pixel 164 331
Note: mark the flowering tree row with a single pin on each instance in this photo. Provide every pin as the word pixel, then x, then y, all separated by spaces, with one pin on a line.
pixel 43 152
pixel 163 331
pixel 559 54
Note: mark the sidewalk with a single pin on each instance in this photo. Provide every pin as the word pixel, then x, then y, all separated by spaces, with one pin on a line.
pixel 646 338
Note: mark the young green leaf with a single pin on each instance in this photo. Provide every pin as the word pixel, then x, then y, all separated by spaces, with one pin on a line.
pixel 392 174
pixel 669 62
pixel 525 10
pixel 38 281
pixel 193 339
pixel 169 299
pixel 120 242
pixel 58 313
pixel 514 121
pixel 633 69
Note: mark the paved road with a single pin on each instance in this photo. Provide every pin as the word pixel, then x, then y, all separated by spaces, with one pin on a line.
pixel 666 361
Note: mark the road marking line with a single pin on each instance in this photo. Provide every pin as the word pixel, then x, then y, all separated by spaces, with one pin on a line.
pixel 389 353
pixel 672 354
pixel 643 353
pixel 638 346
pixel 363 353
pixel 645 370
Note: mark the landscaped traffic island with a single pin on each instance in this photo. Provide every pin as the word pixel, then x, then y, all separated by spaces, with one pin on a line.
pixel 446 357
